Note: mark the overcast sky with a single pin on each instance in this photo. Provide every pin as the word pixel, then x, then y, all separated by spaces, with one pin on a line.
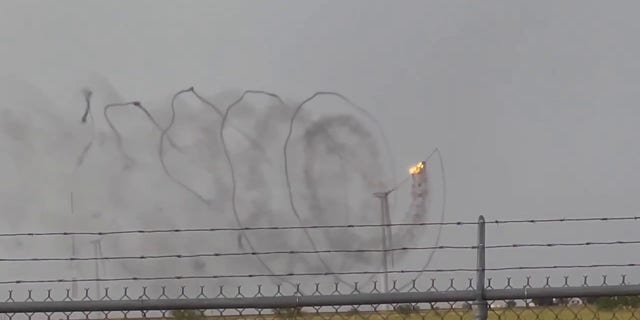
pixel 530 102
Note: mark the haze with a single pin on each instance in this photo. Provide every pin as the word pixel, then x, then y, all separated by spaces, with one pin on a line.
pixel 530 104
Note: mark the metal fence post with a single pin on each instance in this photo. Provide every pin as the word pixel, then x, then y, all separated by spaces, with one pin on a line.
pixel 481 303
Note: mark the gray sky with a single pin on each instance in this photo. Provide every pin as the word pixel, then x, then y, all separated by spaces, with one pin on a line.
pixel 530 103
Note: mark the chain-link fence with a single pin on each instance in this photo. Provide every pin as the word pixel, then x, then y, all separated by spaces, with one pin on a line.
pixel 456 298
pixel 593 302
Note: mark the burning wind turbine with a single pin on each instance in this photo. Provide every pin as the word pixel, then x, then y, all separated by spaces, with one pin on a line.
pixel 418 210
pixel 418 190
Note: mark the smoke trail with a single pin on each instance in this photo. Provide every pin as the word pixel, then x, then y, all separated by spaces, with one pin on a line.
pixel 359 154
pixel 87 97
pixel 233 176
pixel 266 124
pixel 347 159
pixel 87 113
pixel 363 150
pixel 406 237
pixel 286 158
pixel 128 161
pixel 435 151
pixel 242 238
pixel 155 123
pixel 207 102
pixel 43 144
pixel 367 114
pixel 254 143
pixel 161 150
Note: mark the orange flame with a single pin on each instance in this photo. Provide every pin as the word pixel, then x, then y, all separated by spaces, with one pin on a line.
pixel 417 169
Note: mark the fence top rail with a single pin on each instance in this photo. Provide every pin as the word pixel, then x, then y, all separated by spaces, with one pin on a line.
pixel 313 301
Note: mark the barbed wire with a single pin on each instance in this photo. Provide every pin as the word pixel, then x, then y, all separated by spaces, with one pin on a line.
pixel 226 276
pixel 575 266
pixel 561 244
pixel 343 226
pixel 227 254
pixel 560 220
pixel 320 251
pixel 318 274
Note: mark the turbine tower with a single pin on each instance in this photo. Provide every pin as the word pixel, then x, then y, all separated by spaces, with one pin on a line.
pixel 385 220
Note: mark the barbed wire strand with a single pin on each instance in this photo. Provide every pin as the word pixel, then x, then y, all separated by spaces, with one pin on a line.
pixel 562 244
pixel 228 276
pixel 321 251
pixel 574 266
pixel 555 220
pixel 230 254
pixel 318 274
pixel 277 228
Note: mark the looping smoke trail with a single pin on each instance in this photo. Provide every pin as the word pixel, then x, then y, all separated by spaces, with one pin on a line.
pixel 87 114
pixel 155 123
pixel 165 130
pixel 249 138
pixel 87 97
pixel 207 102
pixel 435 151
pixel 233 177
pixel 127 158
pixel 254 143
pixel 161 150
pixel 312 133
pixel 358 108
pixel 286 161
pixel 257 146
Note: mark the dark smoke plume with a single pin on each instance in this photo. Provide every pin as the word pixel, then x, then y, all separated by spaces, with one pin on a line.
pixel 87 114
pixel 331 165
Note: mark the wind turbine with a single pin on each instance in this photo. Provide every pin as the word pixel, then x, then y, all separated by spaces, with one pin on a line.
pixel 418 176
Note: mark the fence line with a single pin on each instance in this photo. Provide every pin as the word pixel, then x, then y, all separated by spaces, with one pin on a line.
pixel 479 296
pixel 315 301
